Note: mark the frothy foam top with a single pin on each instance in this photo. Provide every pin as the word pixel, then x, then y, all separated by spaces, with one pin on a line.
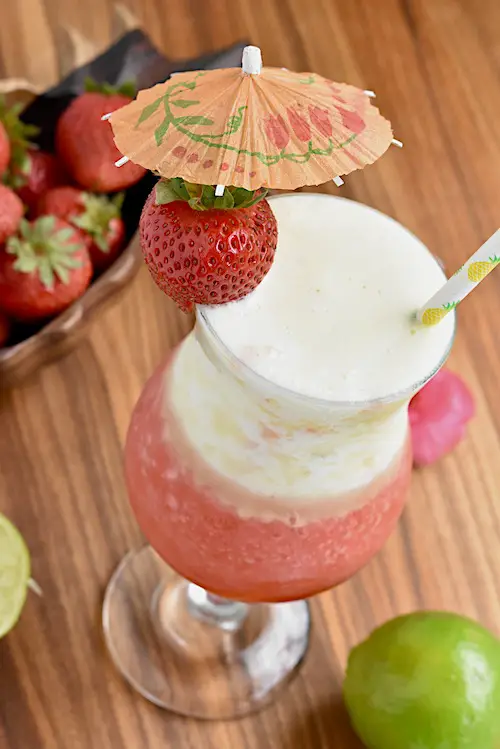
pixel 333 317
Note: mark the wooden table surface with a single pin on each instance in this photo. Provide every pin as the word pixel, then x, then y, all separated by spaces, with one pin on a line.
pixel 435 67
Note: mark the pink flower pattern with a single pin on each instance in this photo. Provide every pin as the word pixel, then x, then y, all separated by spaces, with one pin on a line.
pixel 300 125
pixel 321 121
pixel 276 130
pixel 352 121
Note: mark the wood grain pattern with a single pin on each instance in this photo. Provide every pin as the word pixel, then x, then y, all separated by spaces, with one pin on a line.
pixel 435 68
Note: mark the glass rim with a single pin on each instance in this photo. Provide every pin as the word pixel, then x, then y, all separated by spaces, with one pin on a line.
pixel 400 395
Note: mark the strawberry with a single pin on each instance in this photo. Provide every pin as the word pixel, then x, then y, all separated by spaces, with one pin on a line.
pixel 4 150
pixel 11 212
pixel 206 250
pixel 43 269
pixel 65 202
pixel 97 217
pixel 41 172
pixel 4 329
pixel 86 145
pixel 438 415
pixel 30 172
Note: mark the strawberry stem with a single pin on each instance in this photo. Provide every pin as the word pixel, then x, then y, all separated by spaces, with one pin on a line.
pixel 43 249
pixel 95 219
pixel 20 135
pixel 203 198
pixel 128 88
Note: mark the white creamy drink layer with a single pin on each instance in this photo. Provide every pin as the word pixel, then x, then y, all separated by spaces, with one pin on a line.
pixel 332 319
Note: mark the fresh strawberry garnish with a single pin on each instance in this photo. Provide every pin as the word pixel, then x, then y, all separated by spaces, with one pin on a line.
pixel 85 144
pixel 206 250
pixel 4 329
pixel 4 150
pixel 97 217
pixel 438 416
pixel 11 212
pixel 43 269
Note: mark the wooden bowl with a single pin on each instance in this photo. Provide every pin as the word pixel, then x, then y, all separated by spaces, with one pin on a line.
pixel 63 333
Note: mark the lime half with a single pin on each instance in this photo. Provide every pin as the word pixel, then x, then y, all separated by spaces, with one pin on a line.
pixel 14 574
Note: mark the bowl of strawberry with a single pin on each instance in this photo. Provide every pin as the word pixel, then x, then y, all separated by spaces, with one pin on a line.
pixel 62 234
pixel 68 216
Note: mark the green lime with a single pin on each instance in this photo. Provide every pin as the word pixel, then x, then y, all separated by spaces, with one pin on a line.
pixel 14 574
pixel 429 680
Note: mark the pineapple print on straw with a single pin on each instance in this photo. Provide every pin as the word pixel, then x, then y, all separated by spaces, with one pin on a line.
pixel 477 267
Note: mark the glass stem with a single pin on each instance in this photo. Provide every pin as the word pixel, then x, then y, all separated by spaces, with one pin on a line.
pixel 211 609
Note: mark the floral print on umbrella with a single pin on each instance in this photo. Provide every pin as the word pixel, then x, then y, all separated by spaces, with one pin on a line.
pixel 277 131
pixel 306 127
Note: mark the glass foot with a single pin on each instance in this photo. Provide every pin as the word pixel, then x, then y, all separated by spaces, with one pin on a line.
pixel 197 654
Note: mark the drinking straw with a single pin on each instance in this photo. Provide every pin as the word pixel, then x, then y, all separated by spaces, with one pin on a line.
pixel 463 282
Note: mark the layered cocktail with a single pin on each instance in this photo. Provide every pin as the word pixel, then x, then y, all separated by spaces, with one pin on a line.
pixel 268 458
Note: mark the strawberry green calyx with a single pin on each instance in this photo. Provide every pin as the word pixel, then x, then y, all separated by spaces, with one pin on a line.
pixel 127 88
pixel 203 198
pixel 99 210
pixel 43 249
pixel 20 135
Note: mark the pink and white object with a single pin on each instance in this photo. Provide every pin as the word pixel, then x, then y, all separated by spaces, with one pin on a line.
pixel 438 417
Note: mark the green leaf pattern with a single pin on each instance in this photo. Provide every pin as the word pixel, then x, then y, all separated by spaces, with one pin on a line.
pixel 160 132
pixel 148 111
pixel 195 120
pixel 184 103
